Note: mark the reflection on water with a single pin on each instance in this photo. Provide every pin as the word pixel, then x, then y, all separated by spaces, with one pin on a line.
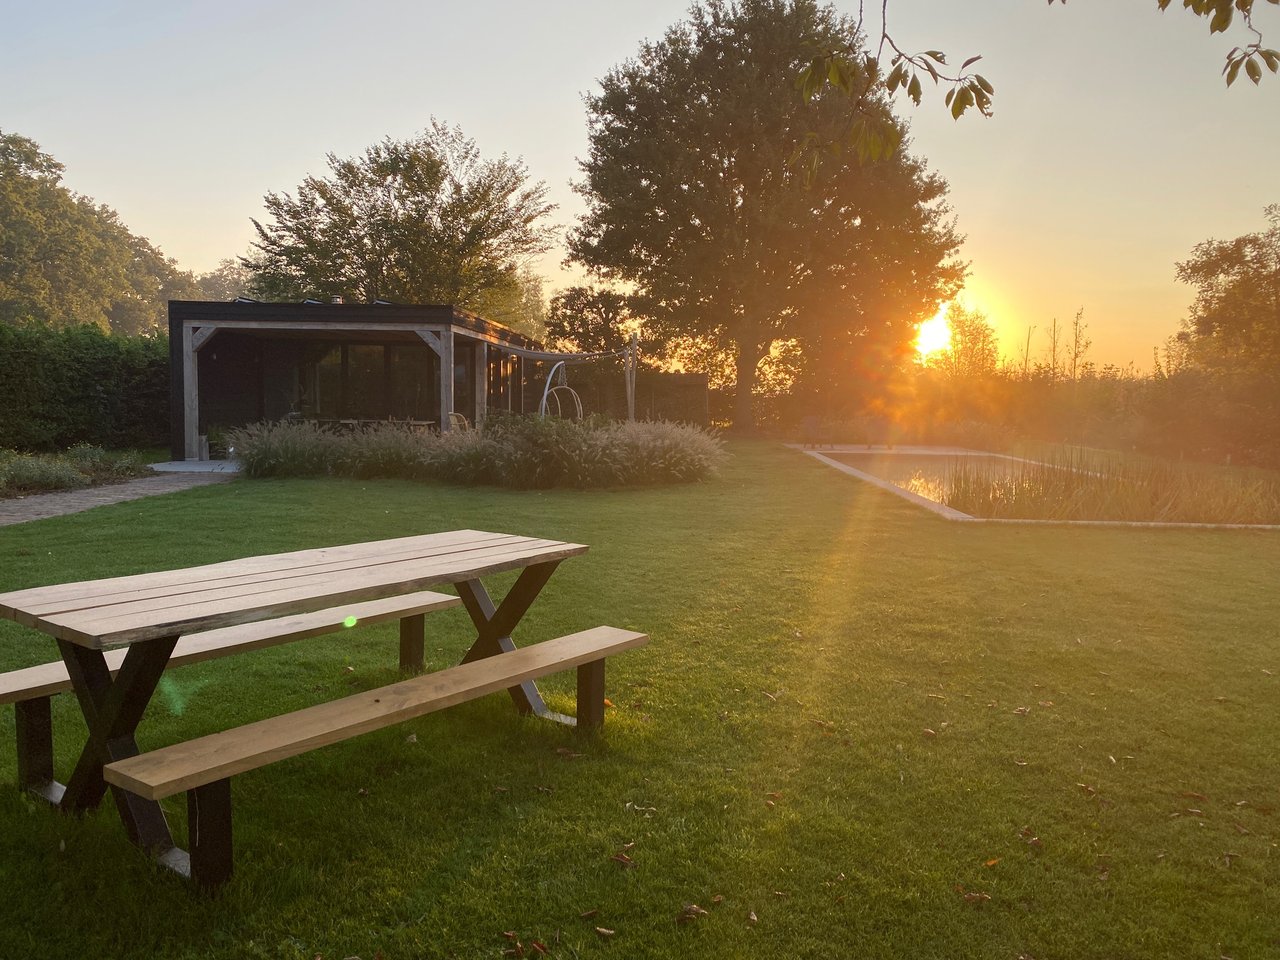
pixel 929 475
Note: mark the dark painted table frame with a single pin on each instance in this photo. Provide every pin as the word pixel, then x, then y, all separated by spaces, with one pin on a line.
pixel 113 709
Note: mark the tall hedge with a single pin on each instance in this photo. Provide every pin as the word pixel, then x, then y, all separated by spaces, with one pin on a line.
pixel 73 385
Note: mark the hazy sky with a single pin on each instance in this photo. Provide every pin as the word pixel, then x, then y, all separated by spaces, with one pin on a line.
pixel 1114 150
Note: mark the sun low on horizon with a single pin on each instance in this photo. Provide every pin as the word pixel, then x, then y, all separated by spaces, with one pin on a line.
pixel 934 335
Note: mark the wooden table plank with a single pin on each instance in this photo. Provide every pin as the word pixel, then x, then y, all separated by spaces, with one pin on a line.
pixel 200 608
pixel 67 596
pixel 103 598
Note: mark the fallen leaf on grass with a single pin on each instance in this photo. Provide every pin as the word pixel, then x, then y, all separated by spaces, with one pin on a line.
pixel 605 932
pixel 539 946
pixel 623 859
pixel 1192 795
pixel 690 913
pixel 567 753
pixel 717 898
pixel 1022 711
pixel 976 897
pixel 588 914
pixel 1089 789
pixel 751 917
pixel 608 702
pixel 1240 827
pixel 411 738
pixel 1020 763
pixel 992 862
pixel 929 732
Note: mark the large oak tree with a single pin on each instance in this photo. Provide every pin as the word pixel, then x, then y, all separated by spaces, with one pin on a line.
pixel 696 197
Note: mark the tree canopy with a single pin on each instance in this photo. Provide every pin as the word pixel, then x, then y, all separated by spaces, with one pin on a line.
pixel 1234 323
pixel 693 199
pixel 589 319
pixel 65 260
pixel 423 220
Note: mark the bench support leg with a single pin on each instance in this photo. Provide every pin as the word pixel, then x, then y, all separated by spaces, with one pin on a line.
pixel 591 696
pixel 209 826
pixel 112 710
pixel 34 722
pixel 494 626
pixel 412 641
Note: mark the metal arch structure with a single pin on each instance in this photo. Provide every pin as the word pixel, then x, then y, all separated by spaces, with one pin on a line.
pixel 552 389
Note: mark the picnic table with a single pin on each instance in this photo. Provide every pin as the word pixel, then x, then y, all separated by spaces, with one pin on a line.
pixel 149 613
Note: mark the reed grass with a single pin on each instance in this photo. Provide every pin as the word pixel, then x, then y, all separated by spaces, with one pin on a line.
pixel 1073 484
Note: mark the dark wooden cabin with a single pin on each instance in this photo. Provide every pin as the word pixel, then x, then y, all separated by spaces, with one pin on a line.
pixel 233 363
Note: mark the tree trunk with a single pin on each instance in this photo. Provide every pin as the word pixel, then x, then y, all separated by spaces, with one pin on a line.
pixel 744 418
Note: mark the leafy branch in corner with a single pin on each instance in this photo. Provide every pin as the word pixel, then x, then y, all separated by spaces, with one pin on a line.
pixel 859 75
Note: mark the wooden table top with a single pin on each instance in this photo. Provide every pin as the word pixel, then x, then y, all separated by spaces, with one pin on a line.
pixel 124 610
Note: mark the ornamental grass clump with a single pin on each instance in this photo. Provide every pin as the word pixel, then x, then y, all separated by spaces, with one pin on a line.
pixel 510 451
pixel 285 449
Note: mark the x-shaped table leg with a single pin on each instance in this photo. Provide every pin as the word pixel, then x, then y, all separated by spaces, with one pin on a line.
pixel 112 710
pixel 494 626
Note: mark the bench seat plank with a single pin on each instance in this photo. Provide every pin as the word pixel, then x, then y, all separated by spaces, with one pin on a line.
pixel 184 766
pixel 51 678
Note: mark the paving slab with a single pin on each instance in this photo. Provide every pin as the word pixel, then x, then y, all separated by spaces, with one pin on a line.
pixel 41 506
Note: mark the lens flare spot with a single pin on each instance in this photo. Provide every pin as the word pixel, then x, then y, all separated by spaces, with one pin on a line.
pixel 349 622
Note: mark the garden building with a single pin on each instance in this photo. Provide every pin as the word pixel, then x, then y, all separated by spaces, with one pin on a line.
pixel 238 362
pixel 434 366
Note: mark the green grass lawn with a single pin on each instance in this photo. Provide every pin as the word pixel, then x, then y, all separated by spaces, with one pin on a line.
pixel 876 733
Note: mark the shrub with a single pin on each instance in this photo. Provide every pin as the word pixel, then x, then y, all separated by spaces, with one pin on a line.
pixel 39 474
pixel 523 452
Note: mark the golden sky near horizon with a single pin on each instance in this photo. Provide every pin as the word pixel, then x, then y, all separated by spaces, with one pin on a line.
pixel 1115 147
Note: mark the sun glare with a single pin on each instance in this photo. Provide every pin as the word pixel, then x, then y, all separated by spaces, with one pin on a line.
pixel 934 335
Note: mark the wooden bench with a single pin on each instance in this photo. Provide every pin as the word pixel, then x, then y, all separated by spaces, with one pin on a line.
pixel 203 767
pixel 30 688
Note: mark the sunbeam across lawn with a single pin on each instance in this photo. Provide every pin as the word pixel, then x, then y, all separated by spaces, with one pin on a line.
pixel 857 729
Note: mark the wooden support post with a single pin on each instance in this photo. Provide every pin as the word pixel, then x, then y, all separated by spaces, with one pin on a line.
pixel 446 378
pixel 209 826
pixel 591 695
pixel 34 722
pixel 190 395
pixel 482 381
pixel 412 641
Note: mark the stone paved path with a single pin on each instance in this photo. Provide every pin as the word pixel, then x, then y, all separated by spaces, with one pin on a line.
pixel 39 506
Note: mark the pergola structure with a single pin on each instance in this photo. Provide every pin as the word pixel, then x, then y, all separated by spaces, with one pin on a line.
pixel 238 362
